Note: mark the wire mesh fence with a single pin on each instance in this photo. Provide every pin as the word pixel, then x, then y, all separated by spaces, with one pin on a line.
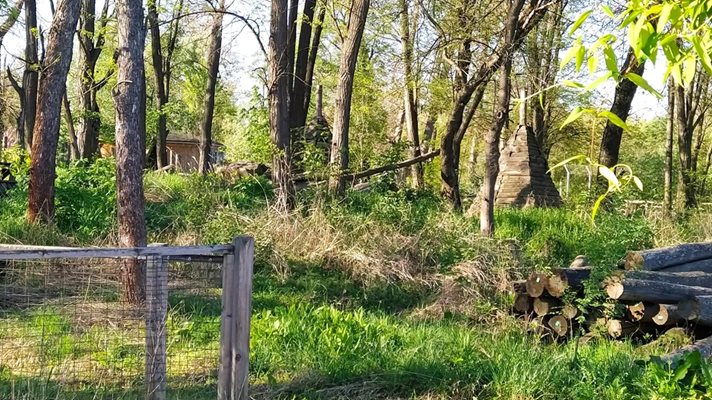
pixel 73 327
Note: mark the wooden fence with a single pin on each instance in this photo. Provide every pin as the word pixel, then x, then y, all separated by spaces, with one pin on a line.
pixel 237 269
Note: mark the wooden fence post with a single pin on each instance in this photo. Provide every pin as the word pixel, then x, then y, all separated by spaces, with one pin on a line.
pixel 226 324
pixel 235 325
pixel 157 309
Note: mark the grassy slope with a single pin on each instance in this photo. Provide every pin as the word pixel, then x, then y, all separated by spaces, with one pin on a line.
pixel 384 296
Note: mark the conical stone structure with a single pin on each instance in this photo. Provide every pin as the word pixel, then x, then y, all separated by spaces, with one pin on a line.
pixel 523 179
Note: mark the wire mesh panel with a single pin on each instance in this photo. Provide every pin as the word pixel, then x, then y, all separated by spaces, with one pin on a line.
pixel 71 328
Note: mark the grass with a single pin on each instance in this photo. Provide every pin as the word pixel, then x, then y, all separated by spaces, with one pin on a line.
pixel 384 295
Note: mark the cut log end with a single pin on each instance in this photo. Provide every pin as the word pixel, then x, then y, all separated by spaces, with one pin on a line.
pixel 633 260
pixel 557 283
pixel 544 306
pixel 536 283
pixel 614 290
pixel 658 314
pixel 636 311
pixel 559 325
pixel 579 262
pixel 569 311
pixel 522 303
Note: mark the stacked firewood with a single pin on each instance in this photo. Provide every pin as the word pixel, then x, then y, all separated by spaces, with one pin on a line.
pixel 653 290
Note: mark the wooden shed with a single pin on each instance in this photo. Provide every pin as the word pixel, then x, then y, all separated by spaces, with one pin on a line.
pixel 183 152
pixel 523 179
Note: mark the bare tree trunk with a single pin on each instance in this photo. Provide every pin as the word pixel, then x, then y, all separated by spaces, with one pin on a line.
pixel 344 90
pixel 685 184
pixel 409 95
pixel 20 121
pixel 55 68
pixel 297 107
pixel 313 50
pixel 12 15
pixel 492 151
pixel 278 95
pixel 31 75
pixel 73 148
pixel 291 41
pixel 91 44
pixel 669 133
pixel 162 69
pixel 206 127
pixel 130 127
pixel 622 100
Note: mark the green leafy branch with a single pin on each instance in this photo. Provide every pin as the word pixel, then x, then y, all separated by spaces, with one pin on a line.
pixel 616 184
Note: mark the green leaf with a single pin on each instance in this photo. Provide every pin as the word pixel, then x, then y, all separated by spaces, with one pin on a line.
pixel 689 67
pixel 702 54
pixel 579 58
pixel 610 58
pixel 613 183
pixel 567 161
pixel 573 84
pixel 641 82
pixel 592 63
pixel 573 116
pixel 607 10
pixel 664 16
pixel 615 120
pixel 581 19
pixel 596 206
pixel 599 81
pixel 570 54
pixel 638 183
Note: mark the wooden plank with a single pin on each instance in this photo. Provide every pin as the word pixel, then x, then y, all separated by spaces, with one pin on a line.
pixel 157 311
pixel 226 327
pixel 40 252
pixel 244 259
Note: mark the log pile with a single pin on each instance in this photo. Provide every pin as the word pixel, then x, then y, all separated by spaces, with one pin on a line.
pixel 651 292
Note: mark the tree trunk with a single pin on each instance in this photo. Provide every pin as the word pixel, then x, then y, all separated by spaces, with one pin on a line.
pixel 622 100
pixel 653 292
pixel 91 44
pixel 130 128
pixel 409 95
pixel 665 257
pixel 31 75
pixel 159 78
pixel 213 57
pixel 55 68
pixel 162 73
pixel 313 50
pixel 492 151
pixel 12 15
pixel 278 104
pixel 685 184
pixel 73 148
pixel 669 133
pixel 291 41
pixel 20 121
pixel 297 107
pixel 344 90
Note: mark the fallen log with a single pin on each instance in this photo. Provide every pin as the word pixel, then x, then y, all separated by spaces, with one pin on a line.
pixel 652 292
pixel 617 328
pixel 536 283
pixel 661 314
pixel 635 311
pixel 580 262
pixel 696 278
pixel 562 279
pixel 559 325
pixel 698 309
pixel 704 265
pixel 704 346
pixel 569 311
pixel 656 259
pixel 523 303
pixel 545 305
